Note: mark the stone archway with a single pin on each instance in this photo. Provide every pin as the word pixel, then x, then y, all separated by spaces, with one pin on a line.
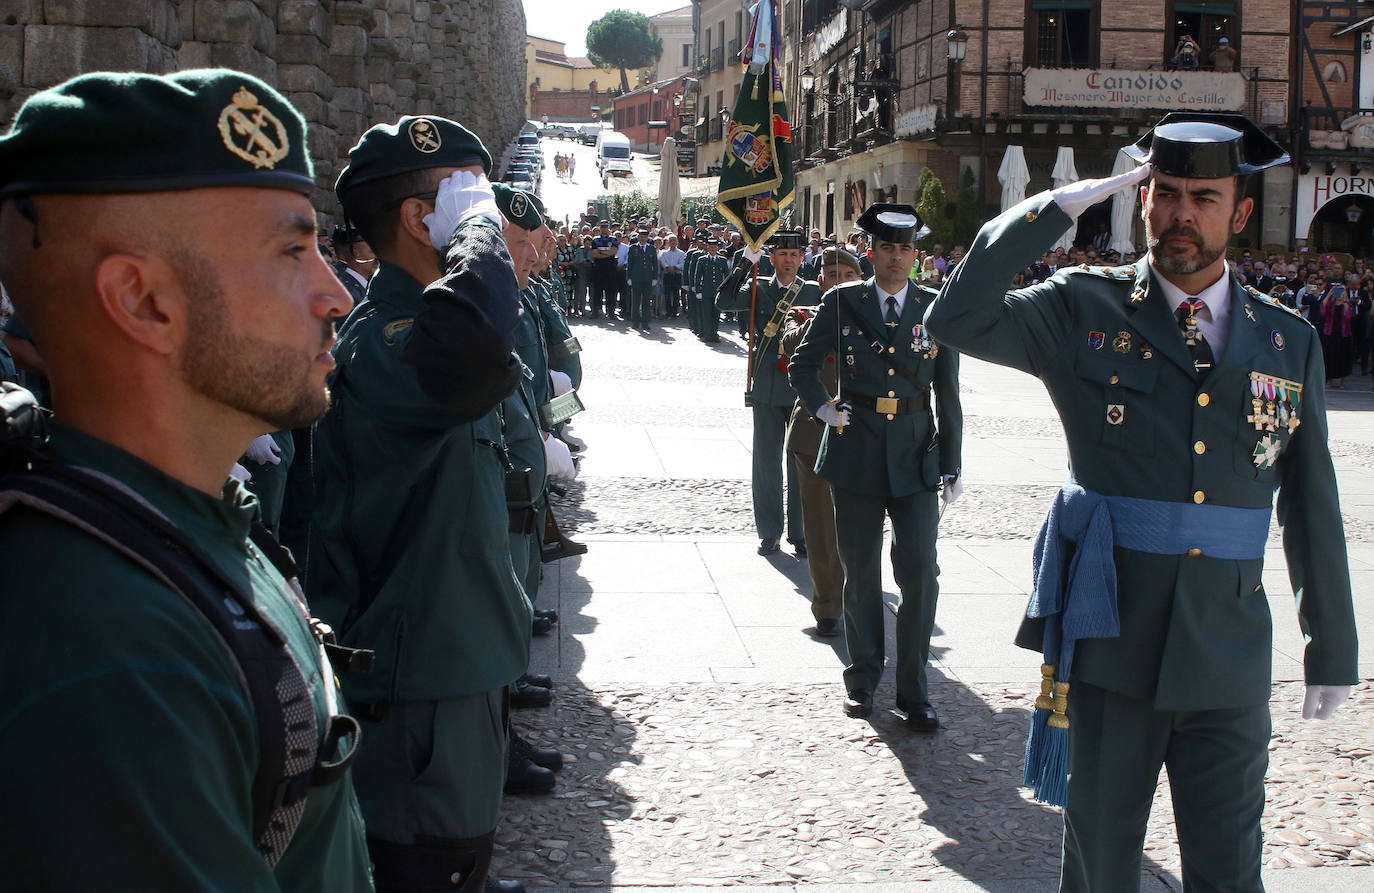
pixel 1332 230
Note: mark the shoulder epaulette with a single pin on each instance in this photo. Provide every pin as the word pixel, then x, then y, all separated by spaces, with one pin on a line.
pixel 1118 273
pixel 1270 302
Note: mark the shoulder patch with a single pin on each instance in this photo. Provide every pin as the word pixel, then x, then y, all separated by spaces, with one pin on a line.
pixel 394 328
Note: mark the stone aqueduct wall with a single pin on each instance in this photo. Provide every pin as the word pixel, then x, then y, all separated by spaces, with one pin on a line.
pixel 346 64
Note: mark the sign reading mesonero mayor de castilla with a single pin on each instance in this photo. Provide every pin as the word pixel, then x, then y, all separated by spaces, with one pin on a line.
pixel 1196 91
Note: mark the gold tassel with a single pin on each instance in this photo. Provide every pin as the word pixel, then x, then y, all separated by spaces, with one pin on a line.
pixel 1046 701
pixel 1060 719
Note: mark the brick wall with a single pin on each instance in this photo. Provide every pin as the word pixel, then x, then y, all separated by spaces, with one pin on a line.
pixel 346 64
pixel 568 105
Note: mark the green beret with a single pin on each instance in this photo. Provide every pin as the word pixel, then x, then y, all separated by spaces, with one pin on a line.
pixel 831 257
pixel 131 132
pixel 411 144
pixel 518 206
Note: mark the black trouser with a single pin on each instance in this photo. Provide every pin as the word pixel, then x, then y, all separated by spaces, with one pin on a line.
pixel 672 283
pixel 622 288
pixel 603 287
pixel 431 865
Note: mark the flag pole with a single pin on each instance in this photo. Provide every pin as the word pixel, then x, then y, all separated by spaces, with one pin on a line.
pixel 753 300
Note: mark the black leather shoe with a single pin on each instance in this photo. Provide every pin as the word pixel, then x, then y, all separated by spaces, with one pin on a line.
pixel 524 777
pixel 858 704
pixel 768 547
pixel 524 695
pixel 547 757
pixel 829 628
pixel 550 615
pixel 539 680
pixel 923 719
pixel 495 886
pixel 799 549
pixel 541 626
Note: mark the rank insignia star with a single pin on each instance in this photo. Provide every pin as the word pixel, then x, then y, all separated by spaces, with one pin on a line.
pixel 1122 342
pixel 1266 452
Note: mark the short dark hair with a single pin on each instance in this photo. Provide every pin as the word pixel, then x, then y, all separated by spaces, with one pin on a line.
pixel 374 207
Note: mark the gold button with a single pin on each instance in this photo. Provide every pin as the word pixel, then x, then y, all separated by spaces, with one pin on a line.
pixel 1030 216
pixel 1199 496
pixel 892 372
pixel 1258 586
pixel 1203 399
pixel 1113 380
pixel 892 350
pixel 1199 448
pixel 890 417
pixel 1193 553
pixel 892 393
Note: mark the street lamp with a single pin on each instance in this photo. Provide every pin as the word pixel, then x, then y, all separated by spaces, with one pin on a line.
pixel 808 85
pixel 808 80
pixel 1354 213
pixel 958 44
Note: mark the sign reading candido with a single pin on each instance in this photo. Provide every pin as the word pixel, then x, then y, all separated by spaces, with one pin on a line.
pixel 1195 91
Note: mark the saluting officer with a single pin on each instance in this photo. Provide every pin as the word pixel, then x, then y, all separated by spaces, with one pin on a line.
pixel 883 454
pixel 772 397
pixel 712 268
pixel 1186 399
pixel 410 555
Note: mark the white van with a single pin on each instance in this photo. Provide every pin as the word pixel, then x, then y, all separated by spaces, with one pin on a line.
pixel 612 154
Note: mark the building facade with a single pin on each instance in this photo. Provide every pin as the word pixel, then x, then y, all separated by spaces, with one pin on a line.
pixel 901 86
pixel 653 112
pixel 346 65
pixel 564 88
pixel 1333 132
pixel 674 28
pixel 721 28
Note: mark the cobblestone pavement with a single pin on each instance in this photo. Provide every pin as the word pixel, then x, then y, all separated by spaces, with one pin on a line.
pixel 745 784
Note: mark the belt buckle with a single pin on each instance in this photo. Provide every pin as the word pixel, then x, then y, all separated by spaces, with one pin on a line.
pixel 886 405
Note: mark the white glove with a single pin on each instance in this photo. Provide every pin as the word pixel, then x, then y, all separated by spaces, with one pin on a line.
pixel 558 459
pixel 561 382
pixel 953 488
pixel 1322 701
pixel 836 416
pixel 240 474
pixel 461 196
pixel 1078 197
pixel 264 451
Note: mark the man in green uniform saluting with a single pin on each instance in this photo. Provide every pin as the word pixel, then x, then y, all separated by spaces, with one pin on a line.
pixel 410 555
pixel 883 454
pixel 772 397
pixel 1186 399
pixel 157 236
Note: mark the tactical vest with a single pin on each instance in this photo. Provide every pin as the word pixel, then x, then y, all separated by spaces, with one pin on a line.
pixel 292 756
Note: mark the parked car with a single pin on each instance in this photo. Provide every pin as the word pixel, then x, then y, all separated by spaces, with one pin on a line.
pixel 567 132
pixel 587 134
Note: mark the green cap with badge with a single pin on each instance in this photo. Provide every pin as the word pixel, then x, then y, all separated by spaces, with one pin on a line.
pixel 121 132
pixel 518 206
pixel 414 143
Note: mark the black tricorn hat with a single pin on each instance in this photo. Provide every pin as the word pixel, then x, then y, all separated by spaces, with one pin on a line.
pixel 890 222
pixel 1207 146
pixel 787 238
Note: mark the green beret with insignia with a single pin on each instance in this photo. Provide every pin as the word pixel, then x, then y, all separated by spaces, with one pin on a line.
pixel 833 256
pixel 518 206
pixel 132 132
pixel 416 142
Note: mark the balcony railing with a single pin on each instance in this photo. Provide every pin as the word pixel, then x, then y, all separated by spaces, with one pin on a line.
pixel 717 58
pixel 732 54
pixel 714 131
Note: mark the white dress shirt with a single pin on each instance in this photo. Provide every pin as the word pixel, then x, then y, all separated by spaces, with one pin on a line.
pixel 883 296
pixel 1214 319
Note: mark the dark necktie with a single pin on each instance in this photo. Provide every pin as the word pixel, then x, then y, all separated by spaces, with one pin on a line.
pixel 1192 335
pixel 891 317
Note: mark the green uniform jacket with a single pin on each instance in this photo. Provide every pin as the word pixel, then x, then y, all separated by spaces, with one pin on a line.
pixel 710 273
pixel 689 267
pixel 1195 631
pixel 531 342
pixel 410 555
pixel 771 387
pixel 131 742
pixel 356 290
pixel 642 264
pixel 879 454
pixel 564 352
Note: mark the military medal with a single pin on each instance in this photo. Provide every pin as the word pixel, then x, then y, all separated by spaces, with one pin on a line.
pixel 1276 338
pixel 1096 340
pixel 1116 413
pixel 1266 452
pixel 1274 403
pixel 1122 342
pixel 844 330
pixel 1190 329
pixel 1147 351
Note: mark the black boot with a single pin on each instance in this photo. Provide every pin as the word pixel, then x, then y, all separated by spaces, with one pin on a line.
pixel 547 757
pixel 524 777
